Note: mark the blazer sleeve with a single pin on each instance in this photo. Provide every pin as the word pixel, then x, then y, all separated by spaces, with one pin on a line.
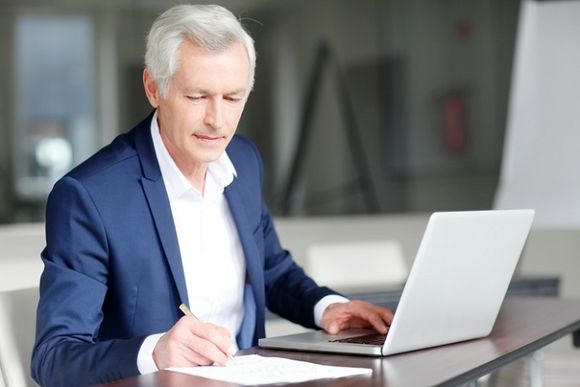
pixel 290 293
pixel 73 287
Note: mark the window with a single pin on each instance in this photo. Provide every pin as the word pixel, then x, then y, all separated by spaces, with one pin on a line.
pixel 54 126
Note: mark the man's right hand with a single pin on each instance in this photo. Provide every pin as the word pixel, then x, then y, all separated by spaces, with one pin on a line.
pixel 191 343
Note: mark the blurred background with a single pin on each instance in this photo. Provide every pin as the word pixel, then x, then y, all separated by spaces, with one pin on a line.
pixel 373 106
pixel 369 115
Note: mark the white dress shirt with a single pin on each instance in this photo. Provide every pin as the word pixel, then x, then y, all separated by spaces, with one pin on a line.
pixel 211 252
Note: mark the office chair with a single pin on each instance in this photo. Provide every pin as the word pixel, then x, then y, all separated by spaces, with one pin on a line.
pixel 357 264
pixel 20 264
pixel 17 332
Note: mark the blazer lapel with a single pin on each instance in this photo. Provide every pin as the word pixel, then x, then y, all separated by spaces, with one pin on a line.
pixel 251 253
pixel 154 190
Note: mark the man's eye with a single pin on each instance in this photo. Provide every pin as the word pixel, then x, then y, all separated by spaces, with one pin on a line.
pixel 194 97
pixel 232 99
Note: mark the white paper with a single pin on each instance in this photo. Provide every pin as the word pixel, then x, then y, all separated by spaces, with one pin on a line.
pixel 254 370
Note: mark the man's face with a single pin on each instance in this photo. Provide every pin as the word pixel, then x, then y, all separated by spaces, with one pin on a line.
pixel 204 102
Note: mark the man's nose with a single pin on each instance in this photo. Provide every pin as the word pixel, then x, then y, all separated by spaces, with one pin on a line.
pixel 214 113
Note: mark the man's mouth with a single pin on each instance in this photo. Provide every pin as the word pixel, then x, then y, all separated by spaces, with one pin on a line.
pixel 207 138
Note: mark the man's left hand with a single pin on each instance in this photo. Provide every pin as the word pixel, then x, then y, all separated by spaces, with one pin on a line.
pixel 355 314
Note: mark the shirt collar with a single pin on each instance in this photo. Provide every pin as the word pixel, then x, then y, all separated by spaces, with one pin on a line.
pixel 221 171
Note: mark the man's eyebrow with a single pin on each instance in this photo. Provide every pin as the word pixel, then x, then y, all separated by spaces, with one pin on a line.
pixel 237 91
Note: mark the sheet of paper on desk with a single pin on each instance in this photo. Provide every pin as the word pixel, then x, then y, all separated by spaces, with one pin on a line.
pixel 254 370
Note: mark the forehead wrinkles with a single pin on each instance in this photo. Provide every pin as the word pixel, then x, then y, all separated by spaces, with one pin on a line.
pixel 223 71
pixel 212 45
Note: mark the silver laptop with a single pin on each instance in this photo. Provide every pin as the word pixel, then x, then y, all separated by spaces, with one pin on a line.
pixel 454 290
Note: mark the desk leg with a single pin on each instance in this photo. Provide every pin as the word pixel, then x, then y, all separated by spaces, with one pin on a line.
pixel 576 339
pixel 535 364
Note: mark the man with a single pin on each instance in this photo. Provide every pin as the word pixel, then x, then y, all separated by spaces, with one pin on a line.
pixel 169 213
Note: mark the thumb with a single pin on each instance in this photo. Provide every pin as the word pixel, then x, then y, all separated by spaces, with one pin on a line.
pixel 333 328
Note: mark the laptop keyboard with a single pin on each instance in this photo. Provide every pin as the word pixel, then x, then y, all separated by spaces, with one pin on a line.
pixel 368 339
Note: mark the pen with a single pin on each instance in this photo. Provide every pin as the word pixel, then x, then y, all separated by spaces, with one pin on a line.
pixel 188 312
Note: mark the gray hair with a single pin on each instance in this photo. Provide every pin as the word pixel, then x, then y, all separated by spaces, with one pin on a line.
pixel 209 26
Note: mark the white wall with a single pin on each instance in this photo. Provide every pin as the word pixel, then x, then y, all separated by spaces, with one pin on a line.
pixel 541 167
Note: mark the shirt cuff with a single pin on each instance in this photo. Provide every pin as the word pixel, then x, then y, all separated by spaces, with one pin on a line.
pixel 145 362
pixel 321 306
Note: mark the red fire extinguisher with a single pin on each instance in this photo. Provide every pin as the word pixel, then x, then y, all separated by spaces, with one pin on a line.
pixel 455 124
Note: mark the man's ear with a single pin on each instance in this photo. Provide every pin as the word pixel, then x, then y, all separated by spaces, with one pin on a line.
pixel 151 89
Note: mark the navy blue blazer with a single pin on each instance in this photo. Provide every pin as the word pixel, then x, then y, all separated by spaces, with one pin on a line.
pixel 113 272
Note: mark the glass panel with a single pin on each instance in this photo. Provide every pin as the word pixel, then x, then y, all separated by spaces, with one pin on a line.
pixel 55 124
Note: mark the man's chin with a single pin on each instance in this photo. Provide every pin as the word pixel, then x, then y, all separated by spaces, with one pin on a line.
pixel 210 155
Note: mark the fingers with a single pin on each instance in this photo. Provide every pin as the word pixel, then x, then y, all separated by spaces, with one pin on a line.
pixel 356 314
pixel 333 328
pixel 336 325
pixel 378 323
pixel 191 342
pixel 386 315
pixel 212 342
pixel 333 317
pixel 379 318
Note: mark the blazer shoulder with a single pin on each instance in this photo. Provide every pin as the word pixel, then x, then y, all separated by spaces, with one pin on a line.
pixel 121 154
pixel 245 156
pixel 243 149
pixel 119 150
